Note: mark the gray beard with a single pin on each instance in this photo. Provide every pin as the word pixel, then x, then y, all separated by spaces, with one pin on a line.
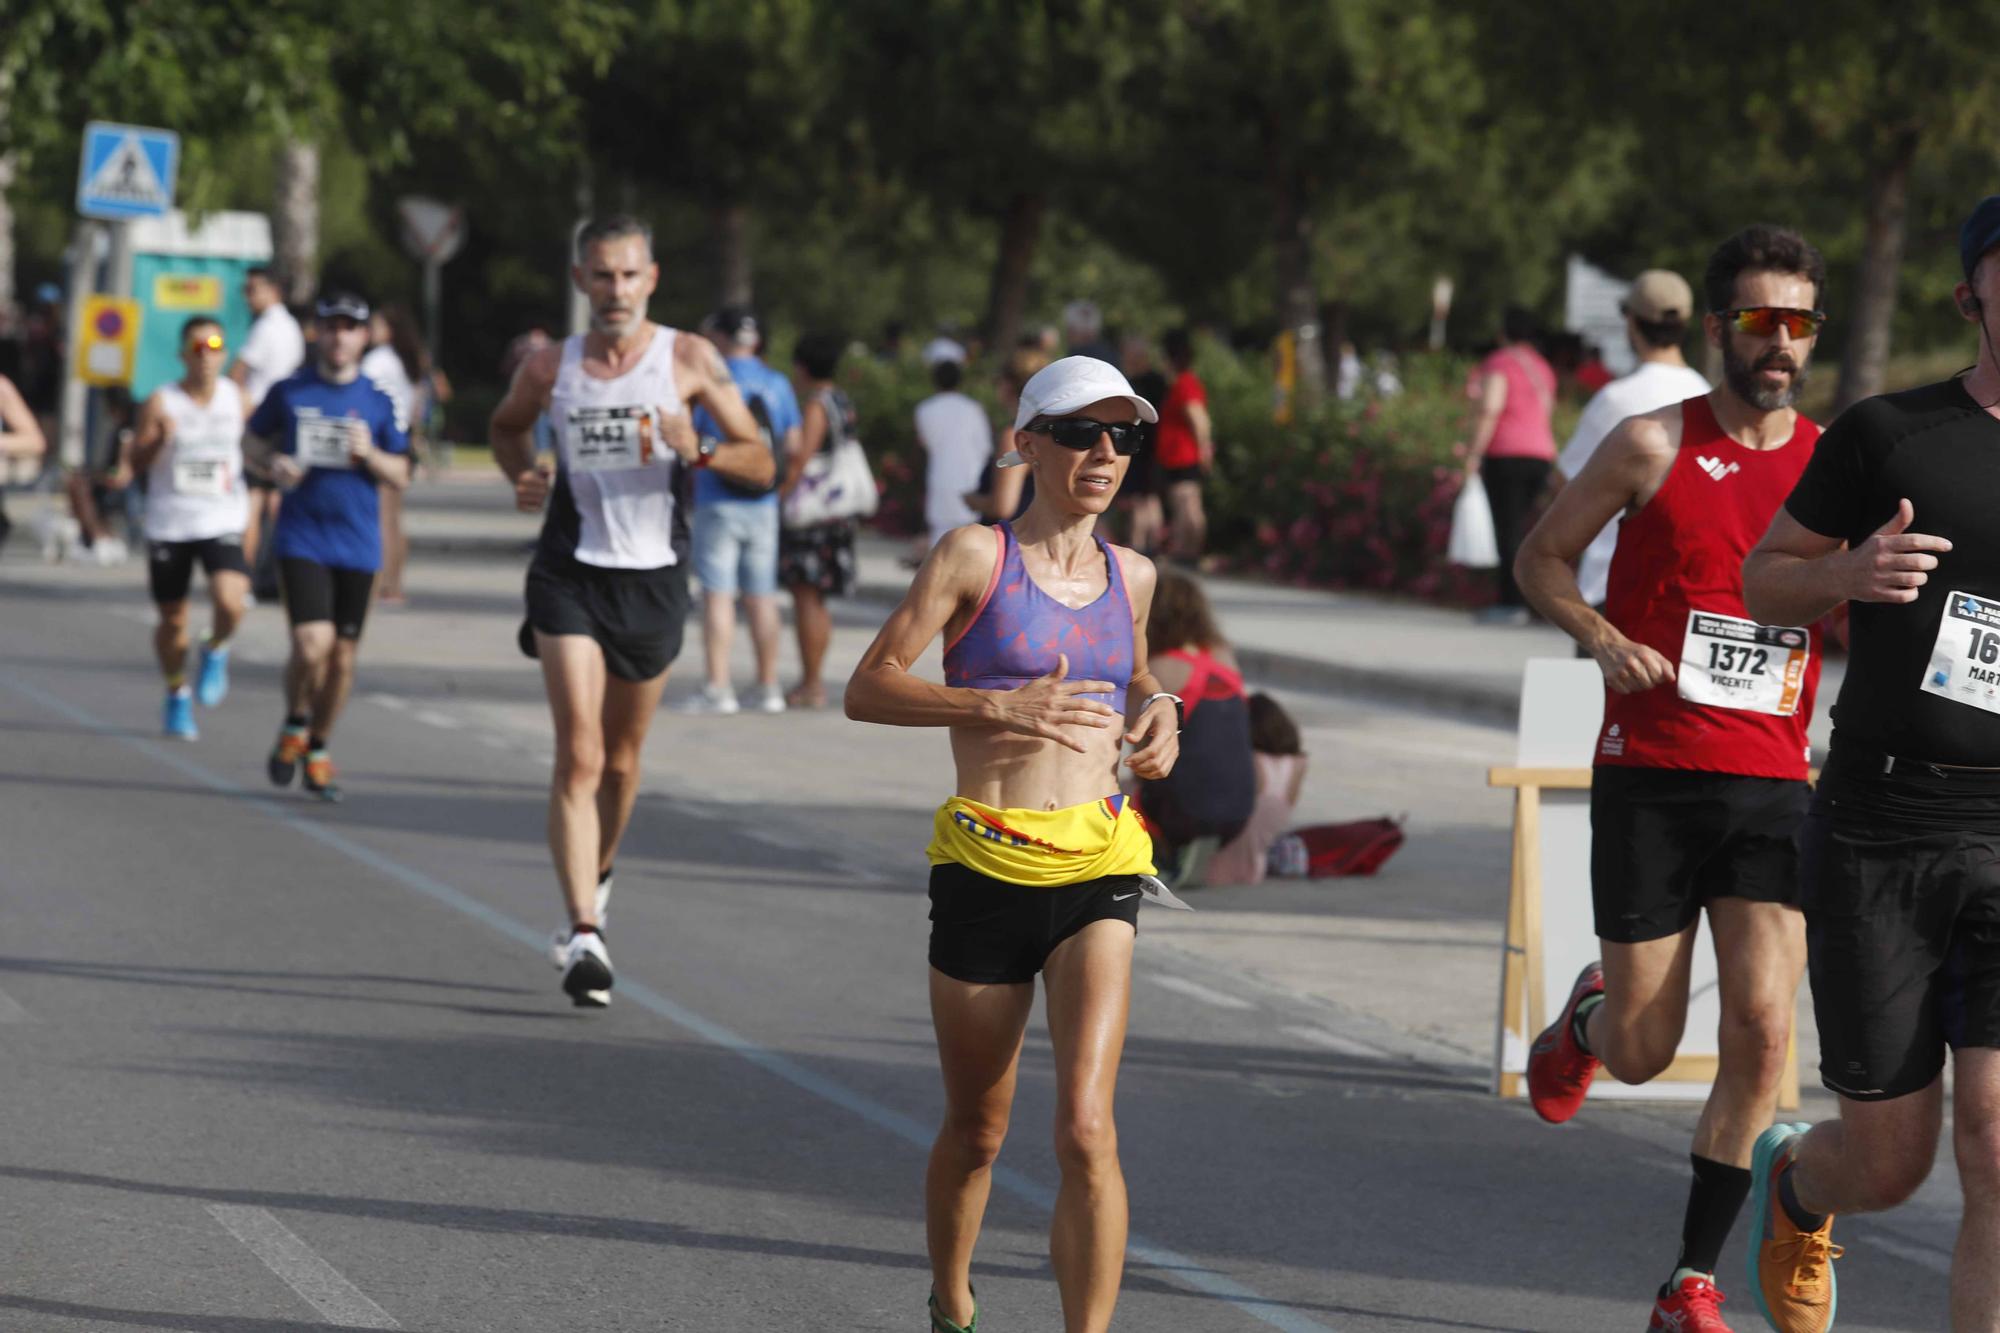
pixel 1741 377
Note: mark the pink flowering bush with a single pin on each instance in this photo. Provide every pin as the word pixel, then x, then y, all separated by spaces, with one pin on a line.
pixel 1355 495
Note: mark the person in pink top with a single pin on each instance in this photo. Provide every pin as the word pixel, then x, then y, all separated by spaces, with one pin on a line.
pixel 1513 448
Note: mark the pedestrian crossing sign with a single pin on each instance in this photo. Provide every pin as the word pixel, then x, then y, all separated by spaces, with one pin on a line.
pixel 127 171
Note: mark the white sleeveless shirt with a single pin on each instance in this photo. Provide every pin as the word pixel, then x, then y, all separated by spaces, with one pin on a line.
pixel 194 490
pixel 621 489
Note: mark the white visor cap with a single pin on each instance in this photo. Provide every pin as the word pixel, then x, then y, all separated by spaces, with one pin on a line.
pixel 1072 383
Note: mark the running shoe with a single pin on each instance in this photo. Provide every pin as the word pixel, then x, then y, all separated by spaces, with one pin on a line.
pixel 212 682
pixel 1559 1070
pixel 319 777
pixel 177 719
pixel 770 699
pixel 586 969
pixel 1690 1309
pixel 717 700
pixel 287 755
pixel 1790 1270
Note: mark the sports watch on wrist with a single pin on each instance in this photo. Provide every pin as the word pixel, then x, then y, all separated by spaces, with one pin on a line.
pixel 1180 708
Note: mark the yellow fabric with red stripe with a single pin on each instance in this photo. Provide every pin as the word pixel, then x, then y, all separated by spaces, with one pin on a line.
pixel 1042 848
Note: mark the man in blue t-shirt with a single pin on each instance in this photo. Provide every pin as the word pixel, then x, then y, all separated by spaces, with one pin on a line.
pixel 329 438
pixel 736 529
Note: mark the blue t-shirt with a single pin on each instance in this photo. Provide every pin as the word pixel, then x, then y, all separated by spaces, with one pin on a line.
pixel 769 387
pixel 333 517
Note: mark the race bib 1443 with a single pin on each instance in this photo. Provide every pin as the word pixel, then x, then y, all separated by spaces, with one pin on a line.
pixel 609 439
pixel 1729 662
pixel 1965 659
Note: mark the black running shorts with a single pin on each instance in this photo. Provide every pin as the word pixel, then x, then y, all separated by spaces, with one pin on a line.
pixel 1901 878
pixel 990 932
pixel 170 565
pixel 637 616
pixel 313 591
pixel 1665 842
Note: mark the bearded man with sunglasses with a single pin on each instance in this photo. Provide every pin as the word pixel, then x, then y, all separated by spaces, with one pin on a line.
pixel 1901 848
pixel 1700 780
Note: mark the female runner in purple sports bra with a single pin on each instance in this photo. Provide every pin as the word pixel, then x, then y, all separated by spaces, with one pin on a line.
pixel 1038 865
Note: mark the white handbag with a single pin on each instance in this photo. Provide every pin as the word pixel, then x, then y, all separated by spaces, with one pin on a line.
pixel 1473 544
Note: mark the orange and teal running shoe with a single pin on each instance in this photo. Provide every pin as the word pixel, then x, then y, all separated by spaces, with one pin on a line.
pixel 319 776
pixel 1791 1269
pixel 286 756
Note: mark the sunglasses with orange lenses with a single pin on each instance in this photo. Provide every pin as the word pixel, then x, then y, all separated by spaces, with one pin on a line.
pixel 1761 321
pixel 211 343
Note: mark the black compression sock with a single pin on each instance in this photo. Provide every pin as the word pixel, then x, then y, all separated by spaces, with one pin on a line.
pixel 1714 1199
pixel 1788 1199
pixel 1579 1026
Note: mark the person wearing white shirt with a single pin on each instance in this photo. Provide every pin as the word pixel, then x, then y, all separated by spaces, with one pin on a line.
pixel 1656 311
pixel 957 440
pixel 394 363
pixel 273 351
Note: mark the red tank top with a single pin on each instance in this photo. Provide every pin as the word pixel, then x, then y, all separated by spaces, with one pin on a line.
pixel 1676 585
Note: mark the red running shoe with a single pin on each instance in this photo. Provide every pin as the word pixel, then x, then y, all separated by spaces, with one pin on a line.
pixel 1559 1070
pixel 1692 1309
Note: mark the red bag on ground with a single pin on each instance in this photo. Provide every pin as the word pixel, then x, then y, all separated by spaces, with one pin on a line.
pixel 1327 850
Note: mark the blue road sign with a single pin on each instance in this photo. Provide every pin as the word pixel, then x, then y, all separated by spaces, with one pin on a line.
pixel 127 171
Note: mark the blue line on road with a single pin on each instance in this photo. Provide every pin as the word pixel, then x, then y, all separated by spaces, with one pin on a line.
pixel 1185 1270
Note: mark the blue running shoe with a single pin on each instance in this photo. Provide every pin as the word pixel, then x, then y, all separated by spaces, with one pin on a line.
pixel 177 721
pixel 212 683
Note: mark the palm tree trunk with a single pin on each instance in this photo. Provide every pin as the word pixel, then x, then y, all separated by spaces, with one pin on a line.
pixel 295 220
pixel 1864 363
pixel 1297 296
pixel 1007 299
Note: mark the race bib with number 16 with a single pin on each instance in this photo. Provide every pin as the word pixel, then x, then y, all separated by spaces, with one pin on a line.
pixel 1730 662
pixel 1965 659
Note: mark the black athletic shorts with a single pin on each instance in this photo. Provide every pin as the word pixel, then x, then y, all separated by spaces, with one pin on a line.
pixel 170 565
pixel 1664 842
pixel 313 591
pixel 637 616
pixel 990 932
pixel 1172 476
pixel 1901 878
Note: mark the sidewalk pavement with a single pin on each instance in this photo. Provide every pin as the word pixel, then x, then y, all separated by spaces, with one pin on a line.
pixel 1378 648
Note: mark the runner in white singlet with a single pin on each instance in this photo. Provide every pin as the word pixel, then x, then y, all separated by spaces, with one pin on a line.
pixel 190 444
pixel 607 593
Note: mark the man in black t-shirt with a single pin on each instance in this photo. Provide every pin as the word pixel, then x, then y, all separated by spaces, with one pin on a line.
pixel 1900 855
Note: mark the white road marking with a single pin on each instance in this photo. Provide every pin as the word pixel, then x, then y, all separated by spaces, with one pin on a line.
pixel 1194 990
pixel 317 1282
pixel 11 1012
pixel 389 701
pixel 1333 1041
pixel 1923 1256
pixel 432 719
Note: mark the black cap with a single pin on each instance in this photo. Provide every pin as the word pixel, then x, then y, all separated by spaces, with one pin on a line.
pixel 1980 233
pixel 734 322
pixel 341 305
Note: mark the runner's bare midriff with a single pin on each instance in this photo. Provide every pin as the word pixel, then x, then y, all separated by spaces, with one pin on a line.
pixel 1014 772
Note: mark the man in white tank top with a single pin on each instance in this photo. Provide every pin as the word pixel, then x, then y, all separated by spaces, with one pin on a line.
pixel 607 592
pixel 190 445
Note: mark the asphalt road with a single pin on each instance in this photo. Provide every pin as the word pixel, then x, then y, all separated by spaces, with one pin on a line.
pixel 278 1066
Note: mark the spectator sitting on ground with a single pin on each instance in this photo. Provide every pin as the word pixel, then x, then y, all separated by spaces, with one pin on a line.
pixel 1280 760
pixel 1213 788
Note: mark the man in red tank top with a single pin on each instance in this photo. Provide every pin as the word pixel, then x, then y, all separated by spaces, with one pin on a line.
pixel 1700 780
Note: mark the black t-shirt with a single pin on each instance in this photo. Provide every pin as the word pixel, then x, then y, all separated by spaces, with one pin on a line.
pixel 1935 447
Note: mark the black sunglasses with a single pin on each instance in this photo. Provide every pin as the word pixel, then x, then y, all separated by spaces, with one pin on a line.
pixel 1082 433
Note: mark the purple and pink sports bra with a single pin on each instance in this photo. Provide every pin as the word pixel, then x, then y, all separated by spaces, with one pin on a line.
pixel 1018 631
